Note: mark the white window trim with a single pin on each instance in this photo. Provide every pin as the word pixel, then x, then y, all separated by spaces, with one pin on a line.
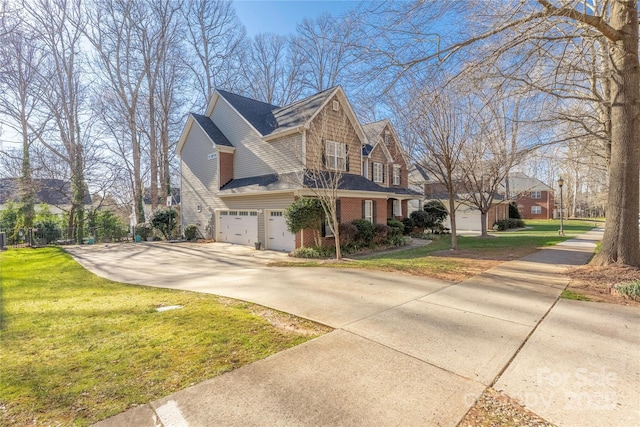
pixel 378 172
pixel 368 210
pixel 397 208
pixel 536 208
pixel 396 174
pixel 536 194
pixel 365 168
pixel 336 155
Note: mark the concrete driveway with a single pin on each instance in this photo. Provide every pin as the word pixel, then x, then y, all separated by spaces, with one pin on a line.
pixel 334 297
pixel 407 350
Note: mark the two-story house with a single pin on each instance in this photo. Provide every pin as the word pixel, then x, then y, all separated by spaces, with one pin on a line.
pixel 243 162
pixel 534 198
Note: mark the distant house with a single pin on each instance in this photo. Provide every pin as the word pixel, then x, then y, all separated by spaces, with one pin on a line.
pixel 148 206
pixel 240 160
pixel 534 198
pixel 54 192
pixel 468 217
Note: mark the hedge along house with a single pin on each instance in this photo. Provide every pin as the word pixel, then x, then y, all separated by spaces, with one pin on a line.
pixel 244 161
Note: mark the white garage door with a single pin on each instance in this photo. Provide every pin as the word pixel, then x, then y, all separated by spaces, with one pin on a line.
pixel 468 219
pixel 280 239
pixel 239 227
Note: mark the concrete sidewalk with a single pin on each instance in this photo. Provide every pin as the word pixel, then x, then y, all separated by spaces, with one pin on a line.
pixel 425 358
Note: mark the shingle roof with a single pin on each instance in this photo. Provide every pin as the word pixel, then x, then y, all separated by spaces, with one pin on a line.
pixel 211 129
pixel 373 130
pixel 259 114
pixel 300 112
pixel 275 182
pixel 521 183
pixel 54 192
pixel 268 118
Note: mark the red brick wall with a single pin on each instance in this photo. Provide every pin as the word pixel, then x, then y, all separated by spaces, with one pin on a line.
pixel 546 203
pixel 350 209
pixel 226 168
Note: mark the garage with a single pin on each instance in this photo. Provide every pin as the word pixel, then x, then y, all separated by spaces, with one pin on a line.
pixel 279 238
pixel 239 227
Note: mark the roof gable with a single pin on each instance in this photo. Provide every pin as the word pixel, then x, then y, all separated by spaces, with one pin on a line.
pixel 212 131
pixel 521 183
pixel 259 114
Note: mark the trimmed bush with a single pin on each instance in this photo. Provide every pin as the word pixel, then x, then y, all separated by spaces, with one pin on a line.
pixel 409 225
pixel 397 227
pixel 381 233
pixel 365 233
pixel 421 219
pixel 315 252
pixel 190 232
pixel 505 224
pixel 348 233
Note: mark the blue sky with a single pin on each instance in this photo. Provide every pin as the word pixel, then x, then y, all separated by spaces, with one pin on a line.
pixel 281 16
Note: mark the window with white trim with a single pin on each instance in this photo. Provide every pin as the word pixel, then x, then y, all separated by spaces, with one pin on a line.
pixel 536 195
pixel 378 173
pixel 368 210
pixel 396 174
pixel 536 210
pixel 336 155
pixel 397 208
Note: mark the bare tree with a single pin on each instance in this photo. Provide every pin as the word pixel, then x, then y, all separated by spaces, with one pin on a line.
pixel 327 159
pixel 324 46
pixel 61 24
pixel 437 123
pixel 272 70
pixel 21 104
pixel 544 26
pixel 116 35
pixel 494 148
pixel 216 38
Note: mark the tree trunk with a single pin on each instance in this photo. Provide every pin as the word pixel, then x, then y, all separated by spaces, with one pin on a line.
pixel 483 225
pixel 452 221
pixel 27 192
pixel 620 243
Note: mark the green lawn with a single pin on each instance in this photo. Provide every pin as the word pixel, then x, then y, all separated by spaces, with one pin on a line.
pixel 436 260
pixel 76 348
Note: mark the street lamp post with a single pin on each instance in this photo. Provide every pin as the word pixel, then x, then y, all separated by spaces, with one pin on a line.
pixel 560 184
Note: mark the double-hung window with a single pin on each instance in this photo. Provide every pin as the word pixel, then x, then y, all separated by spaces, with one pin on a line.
pixel 396 174
pixel 336 155
pixel 536 195
pixel 368 210
pixel 397 208
pixel 378 172
pixel 536 210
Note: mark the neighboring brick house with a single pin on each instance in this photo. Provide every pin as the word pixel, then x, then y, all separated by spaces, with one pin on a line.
pixel 244 161
pixel 534 198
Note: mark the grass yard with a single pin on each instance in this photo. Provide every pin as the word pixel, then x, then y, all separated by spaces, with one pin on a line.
pixel 473 256
pixel 76 348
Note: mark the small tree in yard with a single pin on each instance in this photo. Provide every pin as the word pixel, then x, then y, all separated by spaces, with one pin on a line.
pixel 305 214
pixel 164 220
pixel 437 210
pixel 513 211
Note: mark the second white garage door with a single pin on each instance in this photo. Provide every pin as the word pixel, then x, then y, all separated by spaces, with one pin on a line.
pixel 239 227
pixel 279 237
